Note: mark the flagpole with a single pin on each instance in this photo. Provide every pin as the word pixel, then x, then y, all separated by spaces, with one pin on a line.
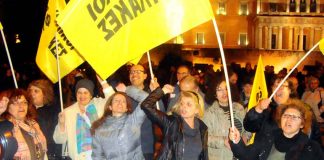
pixel 8 54
pixel 58 72
pixel 151 72
pixel 280 84
pixel 225 71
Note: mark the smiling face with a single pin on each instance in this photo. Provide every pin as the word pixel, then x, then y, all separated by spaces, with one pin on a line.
pixel 83 97
pixel 118 105
pixel 291 122
pixel 137 76
pixel 18 108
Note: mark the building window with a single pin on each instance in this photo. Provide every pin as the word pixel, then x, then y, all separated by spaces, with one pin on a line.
pixel 178 39
pixel 243 9
pixel 273 7
pixel 200 39
pixel 312 6
pixel 302 7
pixel 221 8
pixel 292 6
pixel 243 39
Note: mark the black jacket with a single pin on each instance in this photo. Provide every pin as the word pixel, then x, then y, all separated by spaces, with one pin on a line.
pixel 253 122
pixel 302 148
pixel 172 126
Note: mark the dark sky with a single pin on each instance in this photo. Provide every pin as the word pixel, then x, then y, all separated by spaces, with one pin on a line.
pixel 23 17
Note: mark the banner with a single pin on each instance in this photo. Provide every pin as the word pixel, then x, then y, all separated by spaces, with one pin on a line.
pixel 110 33
pixel 321 45
pixel 46 53
pixel 259 88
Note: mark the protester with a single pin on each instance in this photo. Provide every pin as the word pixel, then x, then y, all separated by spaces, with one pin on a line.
pixel 285 139
pixel 217 118
pixel 75 121
pixel 42 97
pixel 31 141
pixel 8 144
pixel 185 135
pixel 282 96
pixel 116 135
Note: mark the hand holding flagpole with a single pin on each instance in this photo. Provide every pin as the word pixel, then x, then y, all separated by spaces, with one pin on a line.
pixel 8 54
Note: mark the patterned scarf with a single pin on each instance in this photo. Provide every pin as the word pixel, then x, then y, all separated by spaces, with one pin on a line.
pixel 84 139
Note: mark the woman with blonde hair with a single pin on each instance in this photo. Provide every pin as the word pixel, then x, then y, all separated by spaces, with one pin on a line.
pixel 185 135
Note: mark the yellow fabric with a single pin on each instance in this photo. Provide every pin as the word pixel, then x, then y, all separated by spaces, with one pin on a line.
pixel 110 33
pixel 321 46
pixel 46 54
pixel 1 27
pixel 259 89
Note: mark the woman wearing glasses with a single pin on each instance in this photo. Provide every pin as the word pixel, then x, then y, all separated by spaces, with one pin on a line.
pixel 217 118
pixel 185 135
pixel 288 141
pixel 31 141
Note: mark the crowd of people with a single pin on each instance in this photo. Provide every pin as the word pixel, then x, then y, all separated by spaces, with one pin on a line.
pixel 184 115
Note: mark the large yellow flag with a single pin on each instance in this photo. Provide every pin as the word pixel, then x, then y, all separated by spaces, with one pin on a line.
pixel 321 45
pixel 259 88
pixel 46 53
pixel 109 33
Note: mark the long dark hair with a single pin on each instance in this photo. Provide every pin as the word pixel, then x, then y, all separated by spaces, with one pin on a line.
pixel 108 111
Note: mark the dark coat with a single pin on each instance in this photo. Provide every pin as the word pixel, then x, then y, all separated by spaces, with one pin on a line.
pixel 172 126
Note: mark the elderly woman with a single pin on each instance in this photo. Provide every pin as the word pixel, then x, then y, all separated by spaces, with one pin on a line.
pixel 285 139
pixel 75 121
pixel 217 118
pixel 185 135
pixel 31 141
pixel 42 97
pixel 117 133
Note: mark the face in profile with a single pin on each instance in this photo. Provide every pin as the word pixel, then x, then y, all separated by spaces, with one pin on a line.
pixel 3 104
pixel 118 105
pixel 188 108
pixel 282 95
pixel 36 95
pixel 291 122
pixel 19 108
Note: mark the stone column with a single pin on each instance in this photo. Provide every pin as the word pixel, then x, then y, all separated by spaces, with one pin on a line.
pixel 260 37
pixel 290 38
pixel 280 38
pixel 301 38
pixel 297 6
pixel 307 6
pixel 311 37
pixel 270 37
pixel 318 6
pixel 287 8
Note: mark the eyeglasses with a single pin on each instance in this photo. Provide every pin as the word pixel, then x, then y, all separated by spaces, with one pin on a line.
pixel 290 116
pixel 136 71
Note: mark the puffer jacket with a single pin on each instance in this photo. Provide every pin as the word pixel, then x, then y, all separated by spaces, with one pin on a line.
pixel 118 138
pixel 172 126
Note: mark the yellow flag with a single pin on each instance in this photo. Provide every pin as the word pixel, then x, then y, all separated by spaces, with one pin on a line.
pixel 46 53
pixel 1 26
pixel 321 45
pixel 259 90
pixel 110 33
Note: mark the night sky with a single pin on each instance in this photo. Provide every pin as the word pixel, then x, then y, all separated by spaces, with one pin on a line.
pixel 23 17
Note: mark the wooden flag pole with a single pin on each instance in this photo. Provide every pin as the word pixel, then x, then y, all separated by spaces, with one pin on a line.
pixel 59 72
pixel 151 72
